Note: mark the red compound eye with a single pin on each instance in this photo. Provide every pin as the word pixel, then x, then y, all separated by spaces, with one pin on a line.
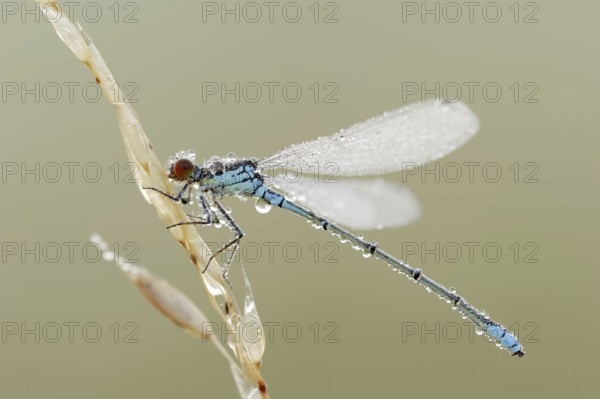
pixel 182 169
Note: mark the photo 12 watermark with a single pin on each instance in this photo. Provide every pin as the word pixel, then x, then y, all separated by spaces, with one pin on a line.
pixel 71 252
pixel 452 12
pixel 71 332
pixel 92 12
pixel 70 172
pixel 289 92
pixel 455 332
pixel 252 12
pixel 491 92
pixel 291 332
pixel 272 252
pixel 65 92
pixel 469 252
pixel 472 172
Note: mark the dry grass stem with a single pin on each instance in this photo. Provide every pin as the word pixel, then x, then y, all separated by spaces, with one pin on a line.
pixel 151 174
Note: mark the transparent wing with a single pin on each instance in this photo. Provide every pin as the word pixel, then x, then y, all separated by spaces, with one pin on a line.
pixel 355 203
pixel 411 135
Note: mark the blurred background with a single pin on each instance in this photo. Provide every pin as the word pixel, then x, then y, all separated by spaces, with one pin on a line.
pixel 510 219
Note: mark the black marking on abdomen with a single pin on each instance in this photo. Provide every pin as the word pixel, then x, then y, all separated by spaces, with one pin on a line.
pixel 373 247
pixel 416 274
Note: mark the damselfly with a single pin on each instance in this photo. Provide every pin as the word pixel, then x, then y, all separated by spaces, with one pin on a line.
pixel 411 135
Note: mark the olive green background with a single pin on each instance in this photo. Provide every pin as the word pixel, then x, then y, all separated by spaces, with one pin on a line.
pixel 369 53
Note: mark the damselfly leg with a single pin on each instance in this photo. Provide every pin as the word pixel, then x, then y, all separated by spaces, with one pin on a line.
pixel 235 243
pixel 206 217
pixel 220 214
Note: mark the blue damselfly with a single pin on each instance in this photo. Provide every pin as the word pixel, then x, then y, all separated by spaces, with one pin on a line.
pixel 411 135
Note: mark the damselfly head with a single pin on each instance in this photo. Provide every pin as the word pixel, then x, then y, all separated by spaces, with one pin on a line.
pixel 181 170
pixel 181 165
